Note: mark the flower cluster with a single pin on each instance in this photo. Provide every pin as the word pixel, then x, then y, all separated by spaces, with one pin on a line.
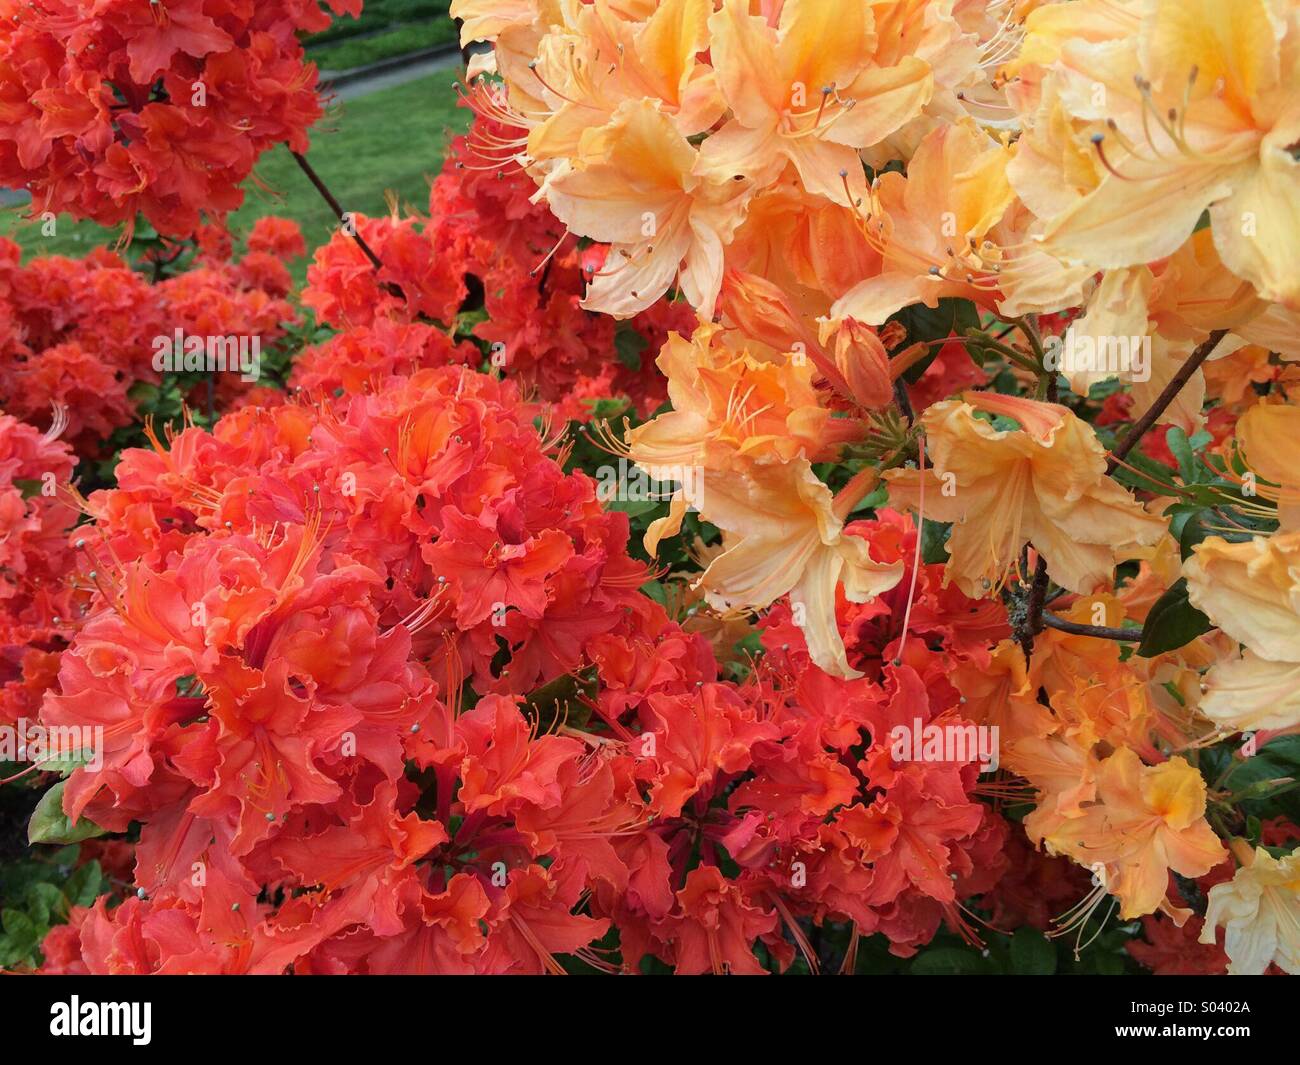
pixel 486 252
pixel 159 109
pixel 1095 202
pixel 36 603
pixel 78 335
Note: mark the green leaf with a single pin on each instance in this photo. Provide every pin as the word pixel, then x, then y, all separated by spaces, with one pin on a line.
pixel 934 542
pixel 1146 474
pixel 21 937
pixel 633 507
pixel 1172 623
pixel 85 884
pixel 49 824
pixel 46 903
pixel 1188 527
pixel 1032 954
pixel 948 961
pixel 630 344
pixel 1181 448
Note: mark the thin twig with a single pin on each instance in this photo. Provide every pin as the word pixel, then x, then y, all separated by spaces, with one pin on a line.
pixel 1142 426
pixel 348 227
pixel 1102 632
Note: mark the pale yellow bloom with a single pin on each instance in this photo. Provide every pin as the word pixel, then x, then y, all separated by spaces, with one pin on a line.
pixel 1259 911
pixel 1251 590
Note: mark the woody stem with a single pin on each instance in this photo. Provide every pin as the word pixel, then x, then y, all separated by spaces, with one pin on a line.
pixel 340 214
pixel 1102 632
pixel 1140 427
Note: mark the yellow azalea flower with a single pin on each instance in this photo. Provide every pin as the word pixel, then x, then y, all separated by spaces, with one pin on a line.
pixel 1145 821
pixel 930 226
pixel 1251 590
pixel 1193 293
pixel 803 88
pixel 1173 304
pixel 783 534
pixel 1267 434
pixel 1259 912
pixel 963 42
pixel 1044 484
pixel 849 355
pixel 631 185
pixel 1050 26
pixel 483 20
pixel 1198 109
pixel 1113 339
pixel 1161 567
pixel 1029 281
pixel 1062 771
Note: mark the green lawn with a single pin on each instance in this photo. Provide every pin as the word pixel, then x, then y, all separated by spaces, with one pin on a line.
pixel 393 139
pixel 400 40
pixel 377 15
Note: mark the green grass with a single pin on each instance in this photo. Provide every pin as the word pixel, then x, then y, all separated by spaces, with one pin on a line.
pixel 377 14
pixel 401 40
pixel 393 139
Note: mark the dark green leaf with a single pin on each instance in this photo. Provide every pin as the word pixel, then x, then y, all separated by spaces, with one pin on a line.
pixel 1172 623
pixel 948 961
pixel 630 344
pixel 1032 954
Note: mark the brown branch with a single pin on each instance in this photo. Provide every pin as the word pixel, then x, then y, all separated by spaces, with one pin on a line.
pixel 349 227
pixel 1034 609
pixel 1140 428
pixel 1102 632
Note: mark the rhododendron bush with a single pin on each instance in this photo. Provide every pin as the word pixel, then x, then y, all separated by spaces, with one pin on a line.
pixel 811 491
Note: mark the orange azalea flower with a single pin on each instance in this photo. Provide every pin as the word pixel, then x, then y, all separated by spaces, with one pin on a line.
pixel 1044 484
pixel 587 68
pixel 803 88
pixel 1146 821
pixel 930 226
pixel 1267 434
pixel 1259 911
pixel 1249 693
pixel 783 534
pixel 1100 697
pixel 999 693
pixel 813 250
pixel 732 409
